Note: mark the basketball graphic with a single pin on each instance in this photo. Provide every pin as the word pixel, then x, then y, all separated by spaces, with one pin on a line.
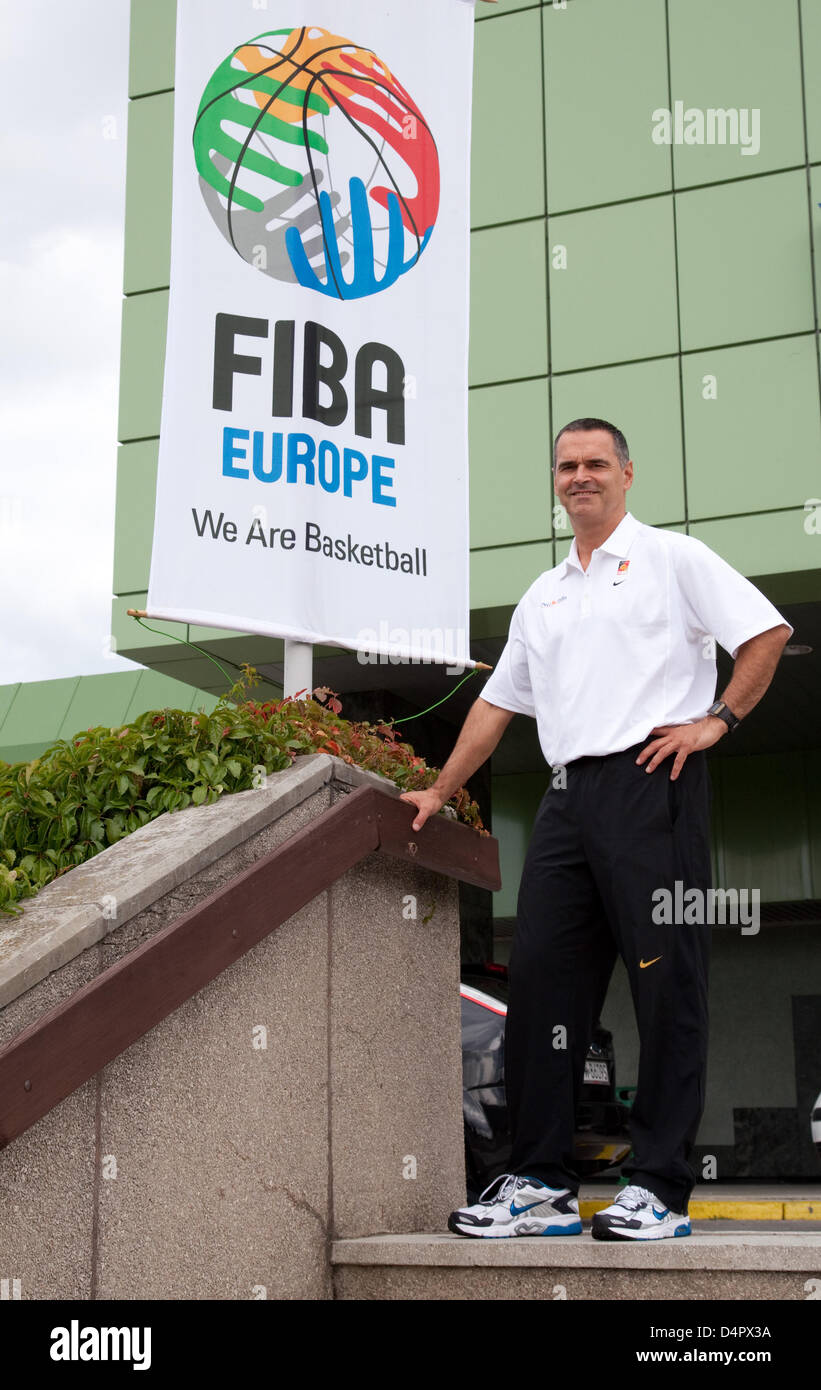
pixel 315 163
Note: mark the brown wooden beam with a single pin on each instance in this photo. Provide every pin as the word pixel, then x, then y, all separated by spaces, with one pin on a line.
pixel 471 857
pixel 71 1043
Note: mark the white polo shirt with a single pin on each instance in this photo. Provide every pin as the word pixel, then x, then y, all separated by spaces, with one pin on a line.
pixel 600 657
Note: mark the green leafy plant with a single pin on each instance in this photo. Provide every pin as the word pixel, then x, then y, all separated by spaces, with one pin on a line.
pixel 86 793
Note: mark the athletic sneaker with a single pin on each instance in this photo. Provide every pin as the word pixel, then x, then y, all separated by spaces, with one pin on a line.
pixel 638 1214
pixel 519 1206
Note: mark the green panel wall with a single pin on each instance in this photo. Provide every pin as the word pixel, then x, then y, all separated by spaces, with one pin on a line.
pixel 504 422
pixel 617 258
pixel 729 397
pixel 153 32
pixel 148 187
pixel 507 145
pixel 772 542
pixel 143 346
pixel 811 42
pixel 739 53
pixel 744 261
pixel 508 337
pixel 136 487
pixel 600 153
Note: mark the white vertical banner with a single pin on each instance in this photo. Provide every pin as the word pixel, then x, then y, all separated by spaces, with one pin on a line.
pixel 313 479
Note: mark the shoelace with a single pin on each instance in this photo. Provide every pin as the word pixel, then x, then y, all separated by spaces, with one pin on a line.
pixel 634 1197
pixel 506 1184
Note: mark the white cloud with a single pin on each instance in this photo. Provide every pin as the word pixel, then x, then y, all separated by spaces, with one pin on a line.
pixel 64 71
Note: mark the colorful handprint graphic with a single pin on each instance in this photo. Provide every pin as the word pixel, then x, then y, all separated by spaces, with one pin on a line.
pixel 316 164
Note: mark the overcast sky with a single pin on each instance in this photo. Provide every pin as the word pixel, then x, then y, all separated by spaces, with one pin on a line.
pixel 63 77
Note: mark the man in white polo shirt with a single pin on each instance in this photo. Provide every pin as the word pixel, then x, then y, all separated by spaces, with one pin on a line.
pixel 613 653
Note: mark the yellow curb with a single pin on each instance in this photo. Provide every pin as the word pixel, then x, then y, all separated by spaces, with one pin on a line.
pixel 802 1211
pixel 732 1210
pixel 736 1210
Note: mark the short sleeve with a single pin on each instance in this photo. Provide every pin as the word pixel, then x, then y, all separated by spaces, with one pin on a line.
pixel 719 601
pixel 509 682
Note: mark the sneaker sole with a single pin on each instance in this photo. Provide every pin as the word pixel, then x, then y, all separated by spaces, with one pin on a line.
pixel 619 1233
pixel 574 1228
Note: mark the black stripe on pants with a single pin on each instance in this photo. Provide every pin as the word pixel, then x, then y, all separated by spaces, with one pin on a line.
pixel 599 849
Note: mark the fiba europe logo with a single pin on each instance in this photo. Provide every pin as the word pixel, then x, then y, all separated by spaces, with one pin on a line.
pixel 316 164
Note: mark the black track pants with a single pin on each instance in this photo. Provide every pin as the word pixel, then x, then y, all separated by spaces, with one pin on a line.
pixel 599 849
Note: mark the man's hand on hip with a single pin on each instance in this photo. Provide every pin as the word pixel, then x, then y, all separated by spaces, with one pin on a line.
pixel 681 739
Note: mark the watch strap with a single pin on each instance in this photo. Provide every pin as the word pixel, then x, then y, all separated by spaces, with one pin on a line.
pixel 721 711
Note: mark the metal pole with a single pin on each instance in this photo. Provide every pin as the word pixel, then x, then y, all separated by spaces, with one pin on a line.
pixel 298 668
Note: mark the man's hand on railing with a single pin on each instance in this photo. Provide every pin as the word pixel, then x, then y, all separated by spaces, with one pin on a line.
pixel 428 802
pixel 480 734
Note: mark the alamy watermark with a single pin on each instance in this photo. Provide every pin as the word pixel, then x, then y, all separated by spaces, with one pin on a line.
pixel 699 907
pixel 694 125
pixel 76 1343
pixel 447 647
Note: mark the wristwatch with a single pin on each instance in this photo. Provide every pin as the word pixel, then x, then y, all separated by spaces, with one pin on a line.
pixel 720 710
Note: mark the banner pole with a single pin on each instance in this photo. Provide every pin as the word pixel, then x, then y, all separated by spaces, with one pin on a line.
pixel 298 673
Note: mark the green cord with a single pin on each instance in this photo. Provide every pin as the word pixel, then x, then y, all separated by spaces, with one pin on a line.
pixel 185 643
pixel 202 652
pixel 406 717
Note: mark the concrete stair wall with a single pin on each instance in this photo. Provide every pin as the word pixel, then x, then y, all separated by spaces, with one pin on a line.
pixel 312 1089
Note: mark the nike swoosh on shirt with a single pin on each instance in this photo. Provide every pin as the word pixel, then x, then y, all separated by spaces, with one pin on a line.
pixel 643 964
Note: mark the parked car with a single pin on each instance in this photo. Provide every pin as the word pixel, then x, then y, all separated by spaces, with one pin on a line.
pixel 601 1138
pixel 815 1118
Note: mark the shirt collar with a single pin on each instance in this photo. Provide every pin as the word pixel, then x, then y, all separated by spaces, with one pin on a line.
pixel 617 543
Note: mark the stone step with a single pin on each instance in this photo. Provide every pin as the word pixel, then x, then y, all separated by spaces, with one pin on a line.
pixel 741 1263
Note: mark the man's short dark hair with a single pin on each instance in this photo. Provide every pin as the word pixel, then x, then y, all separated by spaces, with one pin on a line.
pixel 576 427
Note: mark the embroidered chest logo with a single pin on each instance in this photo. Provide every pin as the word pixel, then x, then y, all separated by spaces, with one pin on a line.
pixel 551 603
pixel 621 572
